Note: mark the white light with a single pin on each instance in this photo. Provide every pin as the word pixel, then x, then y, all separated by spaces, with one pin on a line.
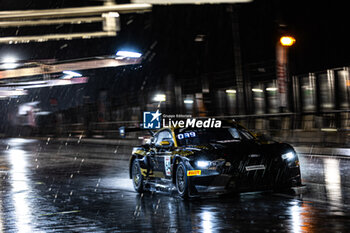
pixel 207 221
pixel 288 156
pixel 72 73
pixel 9 66
pixel 6 92
pixel 271 89
pixel 113 14
pixel 128 54
pixel 9 63
pixel 257 90
pixel 24 109
pixel 9 60
pixel 159 98
pixel 296 212
pixel 203 164
pixel 21 186
pixel 188 101
pixel 43 113
pixel 230 91
pixel 333 183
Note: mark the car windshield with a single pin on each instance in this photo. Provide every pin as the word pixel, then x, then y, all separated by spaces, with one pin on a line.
pixel 205 136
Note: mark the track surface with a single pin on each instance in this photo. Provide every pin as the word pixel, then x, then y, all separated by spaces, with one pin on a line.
pixel 59 187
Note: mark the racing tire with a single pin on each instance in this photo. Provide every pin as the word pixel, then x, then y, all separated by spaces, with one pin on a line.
pixel 181 180
pixel 137 178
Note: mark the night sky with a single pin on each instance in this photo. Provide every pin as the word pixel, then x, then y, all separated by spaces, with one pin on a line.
pixel 320 29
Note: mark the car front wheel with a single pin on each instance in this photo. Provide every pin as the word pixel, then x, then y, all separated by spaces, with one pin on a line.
pixel 137 178
pixel 181 180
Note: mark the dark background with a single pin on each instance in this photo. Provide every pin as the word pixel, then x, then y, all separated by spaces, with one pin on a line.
pixel 320 29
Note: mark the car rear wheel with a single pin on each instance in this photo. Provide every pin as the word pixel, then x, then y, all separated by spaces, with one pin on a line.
pixel 137 178
pixel 181 180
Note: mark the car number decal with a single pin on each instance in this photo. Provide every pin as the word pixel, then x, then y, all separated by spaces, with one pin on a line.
pixel 194 173
pixel 167 165
pixel 255 167
pixel 186 135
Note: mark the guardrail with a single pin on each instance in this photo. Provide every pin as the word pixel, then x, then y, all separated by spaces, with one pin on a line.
pixel 291 127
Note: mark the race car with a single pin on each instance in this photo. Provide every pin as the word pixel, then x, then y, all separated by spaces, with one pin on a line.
pixel 228 159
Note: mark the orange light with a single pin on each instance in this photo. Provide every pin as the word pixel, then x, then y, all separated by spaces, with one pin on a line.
pixel 287 41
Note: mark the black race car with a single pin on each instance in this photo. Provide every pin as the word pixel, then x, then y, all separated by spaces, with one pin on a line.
pixel 219 160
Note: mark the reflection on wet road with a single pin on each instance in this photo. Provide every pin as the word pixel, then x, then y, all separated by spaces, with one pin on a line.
pixel 58 187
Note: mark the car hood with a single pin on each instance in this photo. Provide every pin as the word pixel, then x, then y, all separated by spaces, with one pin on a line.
pixel 235 150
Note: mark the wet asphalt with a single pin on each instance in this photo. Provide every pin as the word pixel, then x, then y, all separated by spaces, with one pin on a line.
pixel 72 187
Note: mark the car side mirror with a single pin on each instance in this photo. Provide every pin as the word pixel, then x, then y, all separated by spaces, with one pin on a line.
pixel 166 143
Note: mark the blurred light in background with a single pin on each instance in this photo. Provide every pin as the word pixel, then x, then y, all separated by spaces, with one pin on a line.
pixel 9 62
pixel 271 89
pixel 6 92
pixel 230 91
pixel 188 101
pixel 23 109
pixel 128 54
pixel 159 98
pixel 257 90
pixel 71 74
pixel 287 41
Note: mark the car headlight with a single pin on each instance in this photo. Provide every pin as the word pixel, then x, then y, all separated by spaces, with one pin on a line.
pixel 202 164
pixel 288 156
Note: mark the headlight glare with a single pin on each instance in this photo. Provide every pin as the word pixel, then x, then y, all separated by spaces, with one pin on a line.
pixel 288 156
pixel 202 164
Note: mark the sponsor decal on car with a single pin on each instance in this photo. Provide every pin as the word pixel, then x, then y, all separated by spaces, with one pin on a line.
pixel 194 173
pixel 167 165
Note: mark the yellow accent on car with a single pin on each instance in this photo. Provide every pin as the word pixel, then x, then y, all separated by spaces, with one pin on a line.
pixel 140 152
pixel 194 173
pixel 174 137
